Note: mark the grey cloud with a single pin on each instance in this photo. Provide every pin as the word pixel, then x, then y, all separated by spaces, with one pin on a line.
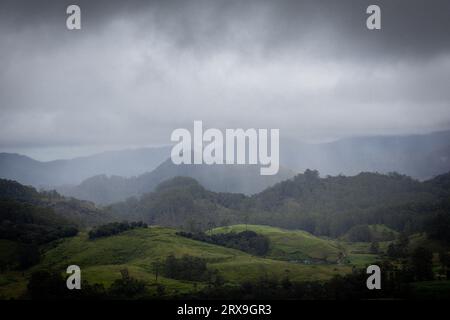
pixel 139 69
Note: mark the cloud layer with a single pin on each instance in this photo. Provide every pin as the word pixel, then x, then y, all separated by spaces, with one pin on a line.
pixel 139 69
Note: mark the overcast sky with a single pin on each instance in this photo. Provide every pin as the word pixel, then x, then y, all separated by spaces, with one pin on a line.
pixel 137 70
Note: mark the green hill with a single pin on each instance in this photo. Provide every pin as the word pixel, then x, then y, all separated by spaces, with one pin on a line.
pixel 329 206
pixel 292 245
pixel 102 259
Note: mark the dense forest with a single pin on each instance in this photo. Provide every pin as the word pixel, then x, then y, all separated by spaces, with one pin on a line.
pixel 30 219
pixel 328 206
pixel 113 228
pixel 82 213
pixel 32 224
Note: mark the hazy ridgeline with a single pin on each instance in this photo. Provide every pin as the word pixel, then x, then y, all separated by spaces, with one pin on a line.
pixel 114 176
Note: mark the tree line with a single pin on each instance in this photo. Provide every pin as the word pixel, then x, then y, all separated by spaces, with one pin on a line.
pixel 114 228
pixel 247 241
pixel 329 206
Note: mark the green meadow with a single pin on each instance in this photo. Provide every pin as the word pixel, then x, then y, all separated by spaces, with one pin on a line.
pixel 292 254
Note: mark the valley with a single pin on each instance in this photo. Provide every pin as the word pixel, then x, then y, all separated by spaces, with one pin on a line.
pixel 306 237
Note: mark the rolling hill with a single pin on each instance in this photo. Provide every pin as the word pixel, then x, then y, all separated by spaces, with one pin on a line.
pixel 102 259
pixel 293 245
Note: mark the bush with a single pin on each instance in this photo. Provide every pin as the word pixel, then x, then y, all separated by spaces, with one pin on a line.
pixel 127 287
pixel 185 268
pixel 113 228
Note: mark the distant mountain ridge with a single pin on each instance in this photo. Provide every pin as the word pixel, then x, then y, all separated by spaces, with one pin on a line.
pixel 420 156
pixel 115 175
pixel 62 172
pixel 245 179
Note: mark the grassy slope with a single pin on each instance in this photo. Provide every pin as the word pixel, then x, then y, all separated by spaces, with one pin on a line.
pixel 102 259
pixel 292 244
pixel 358 253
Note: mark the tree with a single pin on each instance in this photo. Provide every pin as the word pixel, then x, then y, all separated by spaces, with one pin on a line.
pixel 439 228
pixel 215 279
pixel 225 223
pixel 246 219
pixel 185 268
pixel 399 249
pixel 374 247
pixel 157 268
pixel 28 256
pixel 191 225
pixel 160 290
pixel 286 283
pixel 422 264
pixel 127 287
pixel 392 251
pixel 444 259
pixel 47 285
pixel 403 241
pixel 211 226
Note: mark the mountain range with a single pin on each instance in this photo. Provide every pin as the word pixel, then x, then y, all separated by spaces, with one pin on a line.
pixel 125 163
pixel 419 156
pixel 116 175
pixel 245 179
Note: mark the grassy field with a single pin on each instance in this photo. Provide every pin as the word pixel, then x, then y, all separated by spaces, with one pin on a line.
pixel 295 254
pixel 102 259
pixel 292 245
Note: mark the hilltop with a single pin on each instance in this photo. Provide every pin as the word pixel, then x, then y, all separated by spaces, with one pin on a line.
pixel 293 245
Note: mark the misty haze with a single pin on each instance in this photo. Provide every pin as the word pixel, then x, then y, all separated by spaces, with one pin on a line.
pixel 87 177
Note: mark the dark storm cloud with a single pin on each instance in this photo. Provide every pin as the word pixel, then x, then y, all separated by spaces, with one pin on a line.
pixel 139 69
pixel 410 27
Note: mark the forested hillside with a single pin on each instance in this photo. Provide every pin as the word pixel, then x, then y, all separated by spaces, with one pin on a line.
pixel 332 205
pixel 81 213
pixel 181 202
pixel 328 206
pixel 30 219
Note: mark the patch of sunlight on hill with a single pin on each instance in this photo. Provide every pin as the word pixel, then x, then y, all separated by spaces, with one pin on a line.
pixel 292 245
